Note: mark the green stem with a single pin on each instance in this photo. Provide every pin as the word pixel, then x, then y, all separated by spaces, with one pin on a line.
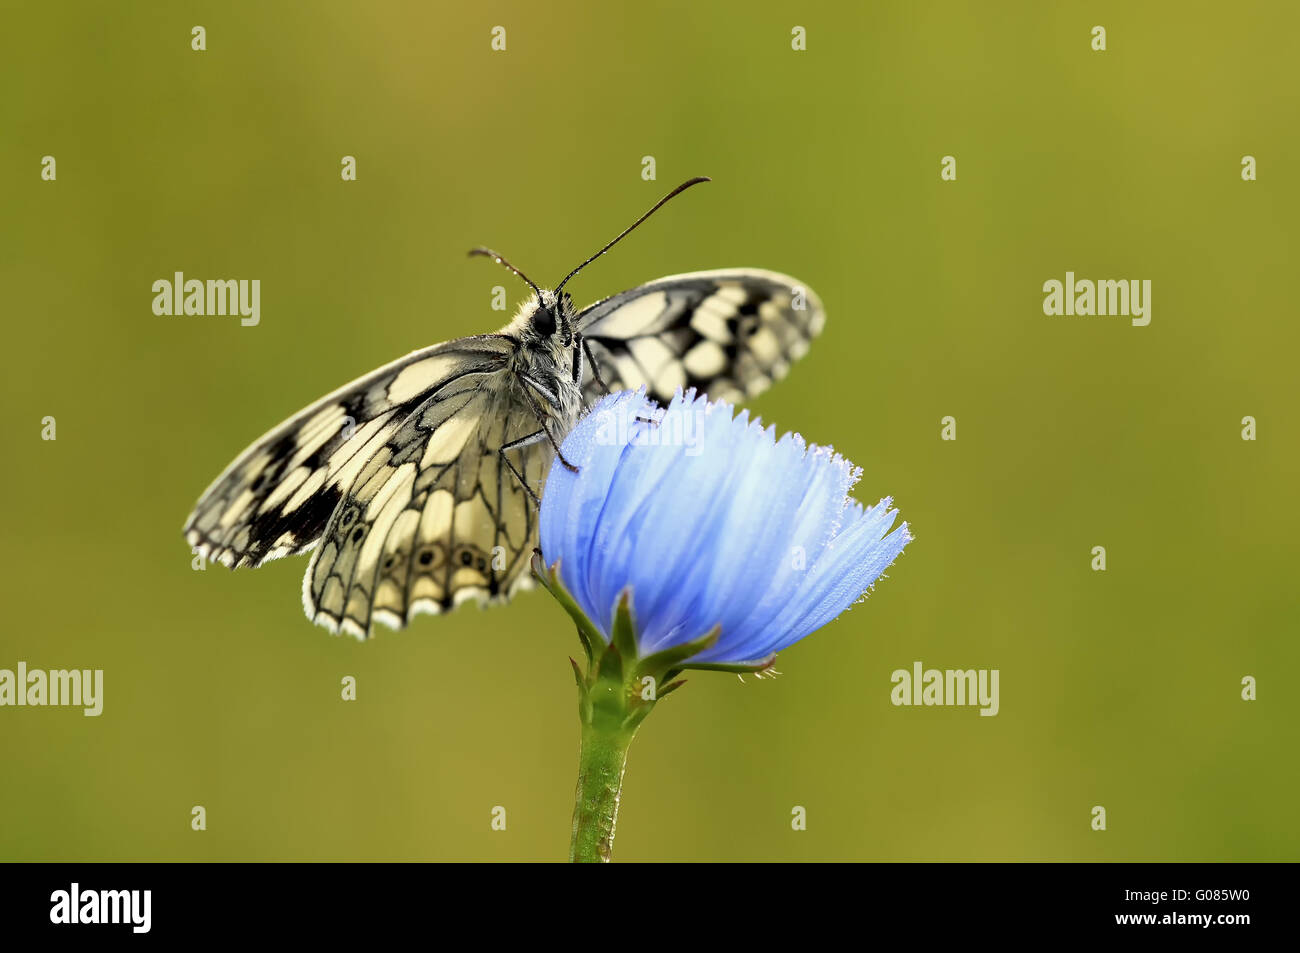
pixel 601 762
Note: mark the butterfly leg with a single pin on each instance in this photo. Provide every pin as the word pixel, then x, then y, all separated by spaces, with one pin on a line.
pixel 541 417
pixel 591 359
pixel 525 441
pixel 577 360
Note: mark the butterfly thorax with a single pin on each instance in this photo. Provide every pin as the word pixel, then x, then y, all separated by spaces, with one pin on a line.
pixel 544 358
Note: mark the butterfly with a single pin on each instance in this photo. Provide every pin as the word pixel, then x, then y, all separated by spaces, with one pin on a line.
pixel 416 487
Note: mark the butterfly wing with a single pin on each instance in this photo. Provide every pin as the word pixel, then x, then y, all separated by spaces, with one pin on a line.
pixel 435 517
pixel 728 333
pixel 277 497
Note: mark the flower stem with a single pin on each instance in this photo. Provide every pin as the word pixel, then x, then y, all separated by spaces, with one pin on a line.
pixel 601 762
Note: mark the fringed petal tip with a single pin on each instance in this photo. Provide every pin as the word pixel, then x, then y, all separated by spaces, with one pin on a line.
pixel 737 528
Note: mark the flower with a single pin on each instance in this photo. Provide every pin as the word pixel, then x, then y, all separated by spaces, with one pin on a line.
pixel 727 544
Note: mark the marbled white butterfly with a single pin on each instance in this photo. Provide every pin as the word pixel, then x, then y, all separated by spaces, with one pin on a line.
pixel 417 485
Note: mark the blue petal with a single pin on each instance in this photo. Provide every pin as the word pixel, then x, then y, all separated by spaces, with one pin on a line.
pixel 709 520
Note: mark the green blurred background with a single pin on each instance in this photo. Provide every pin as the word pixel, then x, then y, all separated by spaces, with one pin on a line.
pixel 1119 689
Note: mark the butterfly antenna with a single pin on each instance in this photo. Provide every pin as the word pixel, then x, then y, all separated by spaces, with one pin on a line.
pixel 621 235
pixel 489 253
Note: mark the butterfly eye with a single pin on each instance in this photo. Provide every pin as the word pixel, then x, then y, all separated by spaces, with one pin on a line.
pixel 544 322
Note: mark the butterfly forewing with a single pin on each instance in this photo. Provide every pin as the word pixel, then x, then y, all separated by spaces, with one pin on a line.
pixel 279 494
pixel 729 333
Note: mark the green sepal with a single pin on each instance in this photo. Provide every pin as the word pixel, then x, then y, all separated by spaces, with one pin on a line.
pixel 549 577
pixel 609 692
pixel 608 667
pixel 633 721
pixel 586 645
pixel 740 668
pixel 671 687
pixel 623 635
pixel 584 697
pixel 671 660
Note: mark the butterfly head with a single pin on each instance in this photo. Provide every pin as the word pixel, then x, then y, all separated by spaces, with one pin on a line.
pixel 552 314
pixel 553 311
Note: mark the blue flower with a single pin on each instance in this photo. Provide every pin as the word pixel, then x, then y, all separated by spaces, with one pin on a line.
pixel 712 526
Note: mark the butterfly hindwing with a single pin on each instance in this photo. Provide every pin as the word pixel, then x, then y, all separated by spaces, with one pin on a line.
pixel 729 333
pixel 277 497
pixel 436 517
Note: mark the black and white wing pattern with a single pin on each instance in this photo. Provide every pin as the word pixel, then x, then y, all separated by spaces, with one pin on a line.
pixel 729 333
pixel 397 477
pixel 434 517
